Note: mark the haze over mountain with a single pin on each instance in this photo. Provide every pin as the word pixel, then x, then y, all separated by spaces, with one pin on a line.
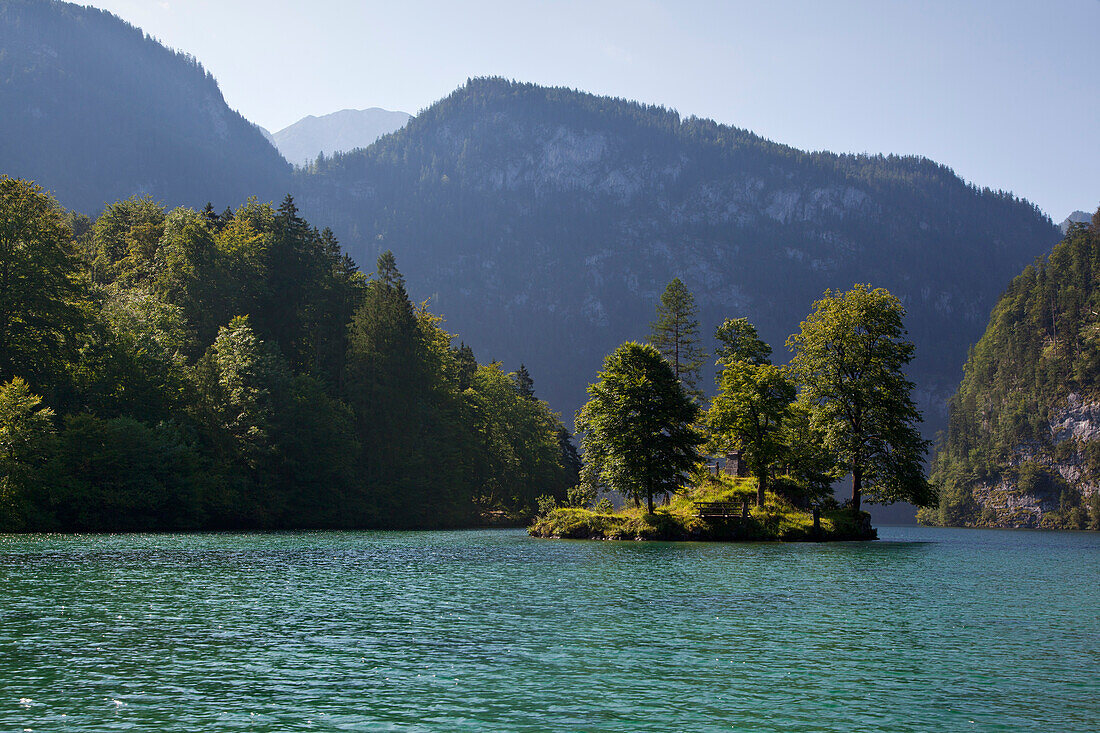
pixel 338 132
pixel 542 222
pixel 546 222
pixel 96 111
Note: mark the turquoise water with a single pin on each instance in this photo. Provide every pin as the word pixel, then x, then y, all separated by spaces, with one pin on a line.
pixel 926 630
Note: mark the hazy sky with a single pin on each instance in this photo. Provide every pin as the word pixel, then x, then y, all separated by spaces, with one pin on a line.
pixel 1005 92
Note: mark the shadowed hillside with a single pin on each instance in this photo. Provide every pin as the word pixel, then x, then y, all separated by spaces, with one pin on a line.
pixel 95 110
pixel 547 221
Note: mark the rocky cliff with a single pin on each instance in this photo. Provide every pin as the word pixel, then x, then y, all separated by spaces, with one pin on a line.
pixel 1023 443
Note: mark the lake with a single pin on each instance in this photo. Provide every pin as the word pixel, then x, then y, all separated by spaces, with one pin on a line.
pixel 924 630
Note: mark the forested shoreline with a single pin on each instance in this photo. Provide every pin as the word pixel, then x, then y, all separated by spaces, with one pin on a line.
pixel 1022 449
pixel 186 370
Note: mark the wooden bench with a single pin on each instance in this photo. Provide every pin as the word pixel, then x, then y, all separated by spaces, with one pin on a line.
pixel 720 508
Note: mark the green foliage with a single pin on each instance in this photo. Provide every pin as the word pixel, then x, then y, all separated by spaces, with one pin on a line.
pixel 777 519
pixel 1039 356
pixel 738 341
pixel 849 362
pixel 675 334
pixel 808 463
pixel 637 427
pixel 546 504
pixel 41 310
pixel 26 442
pixel 753 402
pixel 236 371
pixel 521 444
pixel 122 475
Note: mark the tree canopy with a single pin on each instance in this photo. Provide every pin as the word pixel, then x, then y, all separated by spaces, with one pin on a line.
pixel 184 370
pixel 849 363
pixel 675 333
pixel 753 402
pixel 637 427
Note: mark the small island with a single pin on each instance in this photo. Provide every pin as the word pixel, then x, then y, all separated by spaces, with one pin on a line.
pixel 841 407
pixel 720 509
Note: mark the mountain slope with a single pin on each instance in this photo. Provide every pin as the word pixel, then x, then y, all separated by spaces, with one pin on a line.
pixel 341 131
pixel 545 222
pixel 95 110
pixel 1023 445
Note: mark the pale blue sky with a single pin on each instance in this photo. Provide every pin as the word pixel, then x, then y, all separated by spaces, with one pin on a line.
pixel 1005 92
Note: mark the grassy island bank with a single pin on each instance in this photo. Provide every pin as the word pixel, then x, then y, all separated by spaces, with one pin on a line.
pixel 680 520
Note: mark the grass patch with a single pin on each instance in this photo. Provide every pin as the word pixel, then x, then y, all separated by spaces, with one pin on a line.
pixel 778 519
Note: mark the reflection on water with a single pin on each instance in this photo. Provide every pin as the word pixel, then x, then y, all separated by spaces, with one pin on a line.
pixel 925 630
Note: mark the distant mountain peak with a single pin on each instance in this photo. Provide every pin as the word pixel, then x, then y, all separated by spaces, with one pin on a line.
pixel 1077 217
pixel 341 131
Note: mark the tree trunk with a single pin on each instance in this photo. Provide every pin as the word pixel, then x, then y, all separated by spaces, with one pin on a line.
pixel 857 487
pixel 761 484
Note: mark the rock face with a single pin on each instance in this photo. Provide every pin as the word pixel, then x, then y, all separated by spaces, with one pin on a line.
pixel 1077 217
pixel 338 132
pixel 1023 444
pixel 1014 501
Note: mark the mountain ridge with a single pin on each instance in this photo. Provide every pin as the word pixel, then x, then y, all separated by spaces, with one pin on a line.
pixel 97 110
pixel 574 178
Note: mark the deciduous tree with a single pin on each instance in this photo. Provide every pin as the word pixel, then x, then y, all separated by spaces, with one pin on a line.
pixel 849 362
pixel 753 401
pixel 637 429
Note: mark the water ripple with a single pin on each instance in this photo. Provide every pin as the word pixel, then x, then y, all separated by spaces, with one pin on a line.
pixel 928 630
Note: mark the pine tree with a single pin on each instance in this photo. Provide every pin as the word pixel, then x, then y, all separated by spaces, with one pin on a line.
pixel 525 386
pixel 675 334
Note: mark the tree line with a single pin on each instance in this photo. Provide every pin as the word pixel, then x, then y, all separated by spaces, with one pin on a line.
pixel 841 407
pixel 191 369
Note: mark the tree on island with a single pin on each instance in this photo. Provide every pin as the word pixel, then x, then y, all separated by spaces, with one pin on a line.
pixel 675 334
pixel 637 429
pixel 753 402
pixel 849 362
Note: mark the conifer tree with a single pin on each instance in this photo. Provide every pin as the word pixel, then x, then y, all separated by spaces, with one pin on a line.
pixel 675 334
pixel 525 386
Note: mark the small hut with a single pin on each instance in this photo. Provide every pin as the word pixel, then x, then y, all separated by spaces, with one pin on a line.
pixel 736 465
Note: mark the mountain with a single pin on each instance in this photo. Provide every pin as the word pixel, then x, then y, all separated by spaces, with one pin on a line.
pixel 1023 444
pixel 95 111
pixel 543 222
pixel 546 222
pixel 341 131
pixel 1077 217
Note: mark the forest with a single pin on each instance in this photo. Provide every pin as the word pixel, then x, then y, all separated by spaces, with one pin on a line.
pixel 184 370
